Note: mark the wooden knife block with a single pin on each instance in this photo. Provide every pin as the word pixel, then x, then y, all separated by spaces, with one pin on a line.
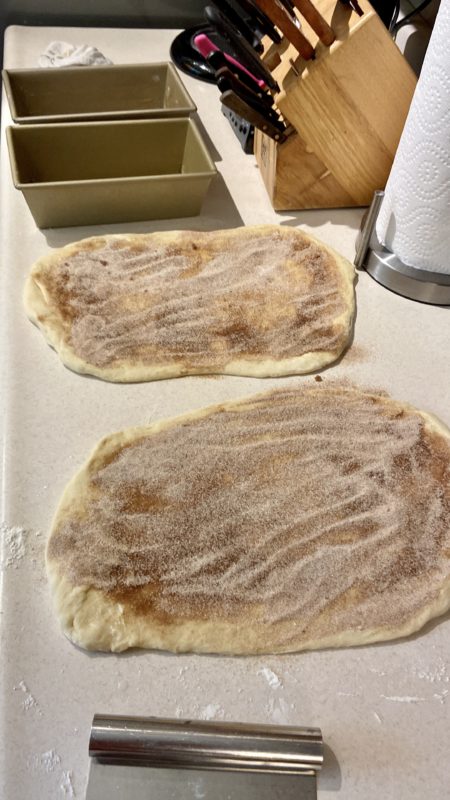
pixel 347 107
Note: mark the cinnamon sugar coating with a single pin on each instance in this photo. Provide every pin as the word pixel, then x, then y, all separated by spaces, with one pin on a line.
pixel 326 507
pixel 195 301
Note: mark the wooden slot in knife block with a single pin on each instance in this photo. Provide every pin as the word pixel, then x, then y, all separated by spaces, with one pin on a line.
pixel 348 108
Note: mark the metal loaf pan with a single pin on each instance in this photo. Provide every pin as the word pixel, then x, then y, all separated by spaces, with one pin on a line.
pixel 96 93
pixel 89 173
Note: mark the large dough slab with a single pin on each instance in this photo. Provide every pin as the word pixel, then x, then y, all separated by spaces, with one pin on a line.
pixel 296 519
pixel 263 301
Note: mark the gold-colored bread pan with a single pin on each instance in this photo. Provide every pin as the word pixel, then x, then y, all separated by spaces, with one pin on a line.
pixel 89 173
pixel 103 92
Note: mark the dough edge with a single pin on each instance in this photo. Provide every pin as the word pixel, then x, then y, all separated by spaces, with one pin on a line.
pixel 93 621
pixel 36 306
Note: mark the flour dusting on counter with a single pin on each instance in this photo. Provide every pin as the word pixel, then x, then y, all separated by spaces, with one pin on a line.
pixel 377 671
pixel 12 545
pixel 198 787
pixel 29 702
pixel 66 784
pixel 271 677
pixel 407 699
pixel 16 542
pixel 50 764
pixel 279 710
pixel 441 696
pixel 437 674
pixel 211 711
pixel 48 761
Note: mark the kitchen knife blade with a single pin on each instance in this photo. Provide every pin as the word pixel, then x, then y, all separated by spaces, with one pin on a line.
pixel 243 130
pixel 253 115
pixel 280 17
pixel 316 21
pixel 238 23
pixel 244 53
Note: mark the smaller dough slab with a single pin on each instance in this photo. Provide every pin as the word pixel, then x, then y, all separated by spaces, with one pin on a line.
pixel 296 519
pixel 259 301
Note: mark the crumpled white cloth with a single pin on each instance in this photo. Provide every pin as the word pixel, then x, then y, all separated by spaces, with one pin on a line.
pixel 64 54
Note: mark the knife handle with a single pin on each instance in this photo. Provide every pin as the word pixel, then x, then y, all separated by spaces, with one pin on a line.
pixel 205 47
pixel 240 107
pixel 281 19
pixel 259 20
pixel 225 84
pixel 217 60
pixel 254 94
pixel 316 21
pixel 238 23
pixel 241 48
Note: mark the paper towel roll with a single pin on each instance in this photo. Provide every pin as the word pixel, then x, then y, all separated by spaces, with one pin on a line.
pixel 414 219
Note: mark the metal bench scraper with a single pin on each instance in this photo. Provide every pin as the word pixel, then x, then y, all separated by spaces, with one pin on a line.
pixel 146 758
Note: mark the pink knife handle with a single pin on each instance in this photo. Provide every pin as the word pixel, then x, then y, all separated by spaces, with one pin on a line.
pixel 205 46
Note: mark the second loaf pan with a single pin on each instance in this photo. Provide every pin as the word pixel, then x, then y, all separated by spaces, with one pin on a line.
pixel 89 173
pixel 103 92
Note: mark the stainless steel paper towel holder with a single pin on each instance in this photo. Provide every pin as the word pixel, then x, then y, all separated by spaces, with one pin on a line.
pixel 388 270
pixel 142 757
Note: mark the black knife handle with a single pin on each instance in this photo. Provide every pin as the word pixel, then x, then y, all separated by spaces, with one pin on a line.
pixel 225 82
pixel 260 20
pixel 243 109
pixel 217 61
pixel 238 22
pixel 242 49
pixel 254 91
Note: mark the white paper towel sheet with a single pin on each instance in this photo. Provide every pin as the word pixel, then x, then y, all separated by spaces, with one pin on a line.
pixel 414 219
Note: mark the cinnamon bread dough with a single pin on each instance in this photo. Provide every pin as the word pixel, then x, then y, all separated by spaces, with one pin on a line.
pixel 262 301
pixel 296 519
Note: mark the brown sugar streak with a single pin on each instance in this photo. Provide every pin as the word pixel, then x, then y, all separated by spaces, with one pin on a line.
pixel 327 506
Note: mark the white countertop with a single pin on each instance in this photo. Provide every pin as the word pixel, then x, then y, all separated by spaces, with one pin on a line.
pixel 383 709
